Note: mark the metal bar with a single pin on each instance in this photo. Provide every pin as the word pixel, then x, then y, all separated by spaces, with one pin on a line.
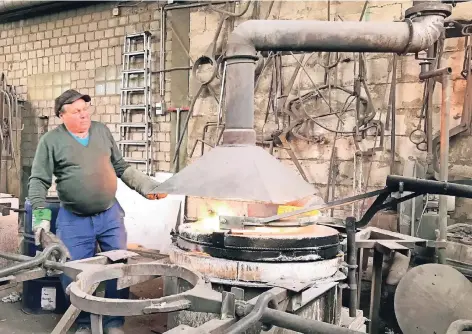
pixel 444 160
pixel 435 73
pixel 360 271
pixel 458 188
pixel 393 111
pixel 326 206
pixel 266 299
pixel 96 322
pixel 36 261
pixel 375 292
pixel 352 265
pixel 429 116
pixel 68 319
pixel 301 325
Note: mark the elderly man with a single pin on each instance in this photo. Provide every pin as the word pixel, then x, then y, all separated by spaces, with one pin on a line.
pixel 86 162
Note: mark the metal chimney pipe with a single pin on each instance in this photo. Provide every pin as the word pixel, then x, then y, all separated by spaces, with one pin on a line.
pixel 421 29
pixel 240 170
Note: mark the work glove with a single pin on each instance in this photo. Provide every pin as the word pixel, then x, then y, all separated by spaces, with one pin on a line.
pixel 41 221
pixel 141 183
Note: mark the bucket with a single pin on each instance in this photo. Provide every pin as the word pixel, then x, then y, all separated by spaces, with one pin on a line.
pixel 43 295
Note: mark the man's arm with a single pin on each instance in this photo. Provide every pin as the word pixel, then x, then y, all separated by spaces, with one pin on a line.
pixel 119 164
pixel 130 176
pixel 41 174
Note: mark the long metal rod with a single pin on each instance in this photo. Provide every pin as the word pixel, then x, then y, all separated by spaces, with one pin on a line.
pixel 36 261
pixel 429 117
pixel 392 110
pixel 162 55
pixel 329 205
pixel 301 325
pixel 435 73
pixel 352 265
pixel 444 162
pixel 375 292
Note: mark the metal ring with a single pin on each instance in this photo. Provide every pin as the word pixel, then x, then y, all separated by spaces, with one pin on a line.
pixel 423 137
pixel 205 60
pixel 423 147
pixel 466 30
pixel 410 37
pixel 97 305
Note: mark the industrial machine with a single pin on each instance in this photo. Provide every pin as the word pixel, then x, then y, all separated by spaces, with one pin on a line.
pixel 238 279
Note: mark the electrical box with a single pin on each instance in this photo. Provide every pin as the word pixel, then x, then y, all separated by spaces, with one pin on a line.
pixel 116 11
pixel 160 108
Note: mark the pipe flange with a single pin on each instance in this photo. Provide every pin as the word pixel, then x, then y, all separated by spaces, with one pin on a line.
pixel 429 8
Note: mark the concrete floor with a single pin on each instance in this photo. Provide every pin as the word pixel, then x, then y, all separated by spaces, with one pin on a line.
pixel 15 321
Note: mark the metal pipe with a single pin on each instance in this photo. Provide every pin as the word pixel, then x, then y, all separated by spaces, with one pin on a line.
pixel 435 73
pixel 281 35
pixel 162 55
pixel 392 110
pixel 459 326
pixel 36 261
pixel 263 302
pixel 352 265
pixel 444 160
pixel 458 188
pixel 193 5
pixel 301 325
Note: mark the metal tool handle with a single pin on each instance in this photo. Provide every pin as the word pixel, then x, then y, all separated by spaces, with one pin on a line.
pixel 326 206
pixel 264 301
pixel 461 188
pixel 36 261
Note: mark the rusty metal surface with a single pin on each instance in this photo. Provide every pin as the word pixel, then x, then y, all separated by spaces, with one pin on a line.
pixel 247 273
pixel 430 297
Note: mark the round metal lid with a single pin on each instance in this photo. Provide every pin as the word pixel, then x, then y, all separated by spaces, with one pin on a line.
pixel 256 243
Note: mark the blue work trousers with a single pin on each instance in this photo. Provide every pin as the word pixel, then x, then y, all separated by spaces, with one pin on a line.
pixel 80 235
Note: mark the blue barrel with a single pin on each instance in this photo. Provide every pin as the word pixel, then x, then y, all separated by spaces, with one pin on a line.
pixel 44 295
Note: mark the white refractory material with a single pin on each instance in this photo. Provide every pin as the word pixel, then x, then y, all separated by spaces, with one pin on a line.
pixel 218 269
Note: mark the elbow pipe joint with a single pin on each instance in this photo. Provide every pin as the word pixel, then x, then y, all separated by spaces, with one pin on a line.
pixel 423 27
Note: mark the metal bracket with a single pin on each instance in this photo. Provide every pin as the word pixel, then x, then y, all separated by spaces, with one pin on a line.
pixel 117 255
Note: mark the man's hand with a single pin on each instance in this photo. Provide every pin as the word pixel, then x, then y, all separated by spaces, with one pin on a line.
pixel 142 183
pixel 41 221
pixel 156 196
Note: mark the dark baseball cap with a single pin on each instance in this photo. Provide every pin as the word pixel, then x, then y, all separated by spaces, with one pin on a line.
pixel 68 97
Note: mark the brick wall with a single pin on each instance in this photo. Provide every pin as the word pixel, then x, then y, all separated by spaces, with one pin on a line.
pixel 315 157
pixel 79 49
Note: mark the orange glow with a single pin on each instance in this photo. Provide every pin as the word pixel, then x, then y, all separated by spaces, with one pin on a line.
pixel 212 221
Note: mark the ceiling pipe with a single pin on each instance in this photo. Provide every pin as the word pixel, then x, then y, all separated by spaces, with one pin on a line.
pixel 240 170
pixel 15 10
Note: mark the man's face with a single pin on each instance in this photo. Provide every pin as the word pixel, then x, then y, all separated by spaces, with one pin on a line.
pixel 76 116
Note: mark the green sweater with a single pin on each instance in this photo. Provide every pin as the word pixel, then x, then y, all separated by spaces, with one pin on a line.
pixel 86 176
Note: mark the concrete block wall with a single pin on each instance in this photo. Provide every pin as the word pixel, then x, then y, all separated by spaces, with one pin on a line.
pixel 315 157
pixel 80 49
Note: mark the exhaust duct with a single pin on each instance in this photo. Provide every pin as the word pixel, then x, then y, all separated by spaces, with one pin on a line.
pixel 240 170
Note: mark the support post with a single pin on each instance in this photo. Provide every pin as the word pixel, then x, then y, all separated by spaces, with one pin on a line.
pixel 375 292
